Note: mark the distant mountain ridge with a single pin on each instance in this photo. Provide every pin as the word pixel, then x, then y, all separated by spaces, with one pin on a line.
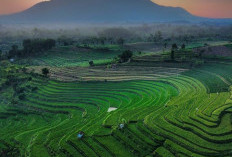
pixel 99 11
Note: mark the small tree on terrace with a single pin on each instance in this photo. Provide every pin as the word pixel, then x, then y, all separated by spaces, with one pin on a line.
pixel 165 45
pixel 126 55
pixel 183 46
pixel 45 71
pixel 91 63
pixel 174 48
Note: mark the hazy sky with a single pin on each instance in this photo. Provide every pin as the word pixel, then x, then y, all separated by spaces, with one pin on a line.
pixel 207 8
pixel 12 6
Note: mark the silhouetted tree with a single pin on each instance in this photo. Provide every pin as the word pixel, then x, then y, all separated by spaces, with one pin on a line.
pixel 120 41
pixel 126 55
pixel 165 45
pixel 174 48
pixel 45 71
pixel 91 63
pixel 172 55
pixel 13 51
pixel 183 46
pixel 35 46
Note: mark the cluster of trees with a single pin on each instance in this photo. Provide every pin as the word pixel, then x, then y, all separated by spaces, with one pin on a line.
pixel 174 49
pixel 116 33
pixel 136 33
pixel 181 54
pixel 157 37
pixel 20 82
pixel 64 41
pixel 124 57
pixel 37 45
pixel 111 35
pixel 102 41
pixel 32 47
pixel 95 40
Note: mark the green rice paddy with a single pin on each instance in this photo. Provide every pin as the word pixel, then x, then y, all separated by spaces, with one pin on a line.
pixel 72 56
pixel 189 114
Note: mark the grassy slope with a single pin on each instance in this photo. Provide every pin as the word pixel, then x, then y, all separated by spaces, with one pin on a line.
pixel 193 123
pixel 72 56
pixel 182 115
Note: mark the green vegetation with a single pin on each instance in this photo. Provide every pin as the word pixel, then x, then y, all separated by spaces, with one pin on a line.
pixel 187 114
pixel 32 47
pixel 229 46
pixel 45 71
pixel 173 103
pixel 125 56
pixel 71 56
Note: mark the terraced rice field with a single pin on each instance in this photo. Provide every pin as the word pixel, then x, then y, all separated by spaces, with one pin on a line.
pixel 71 56
pixel 102 73
pixel 189 114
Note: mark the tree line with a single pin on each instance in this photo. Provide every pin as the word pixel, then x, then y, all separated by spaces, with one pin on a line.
pixel 101 41
pixel 31 47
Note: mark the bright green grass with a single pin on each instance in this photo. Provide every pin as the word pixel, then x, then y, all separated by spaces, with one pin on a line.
pixel 86 105
pixel 183 115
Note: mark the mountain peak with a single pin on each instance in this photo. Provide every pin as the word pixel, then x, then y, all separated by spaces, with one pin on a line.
pixel 99 11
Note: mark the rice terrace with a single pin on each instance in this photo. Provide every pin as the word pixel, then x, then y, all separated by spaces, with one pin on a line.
pixel 92 86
